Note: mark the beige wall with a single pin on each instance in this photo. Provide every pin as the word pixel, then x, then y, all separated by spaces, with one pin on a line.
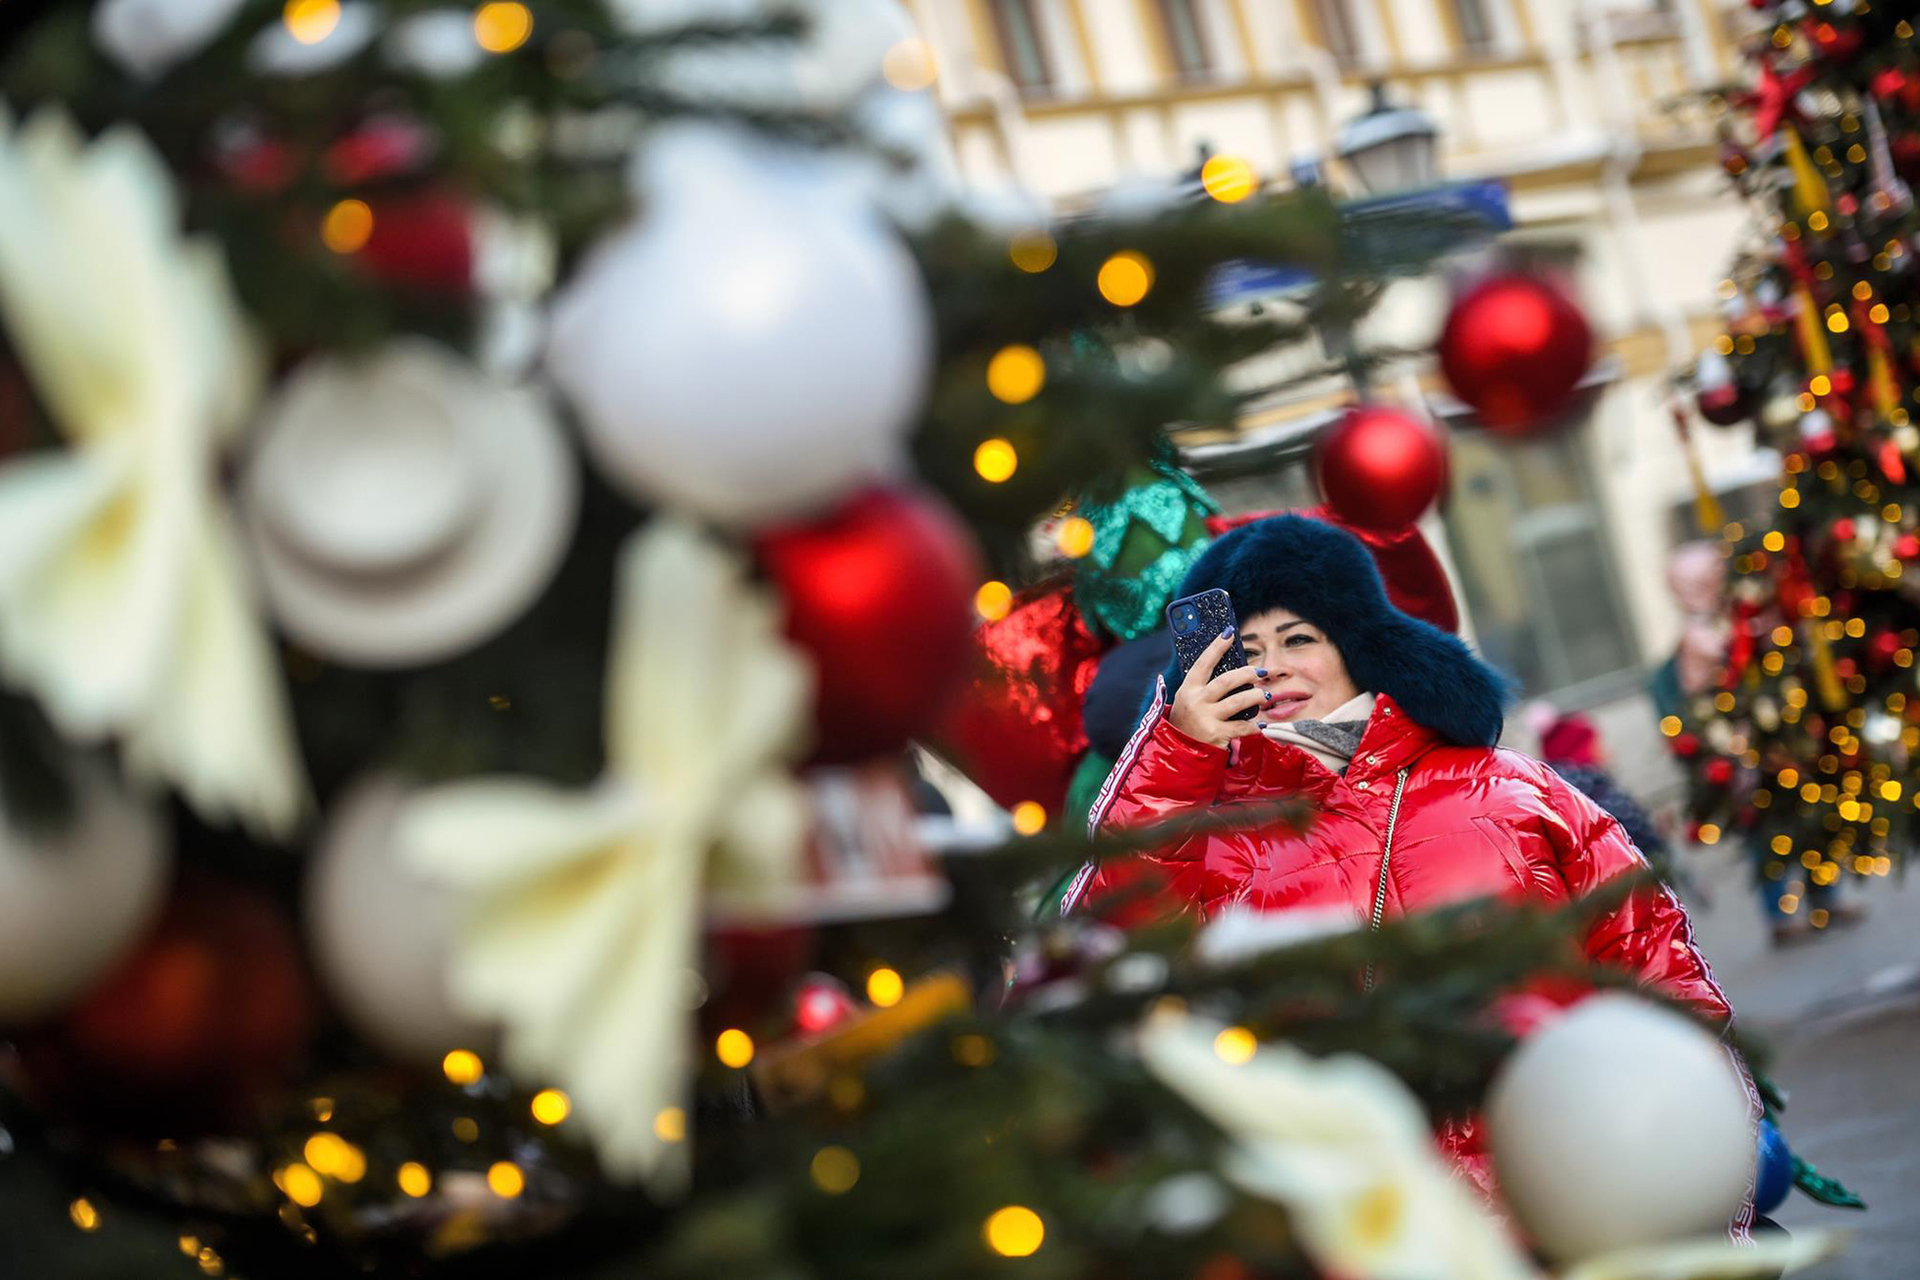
pixel 1568 109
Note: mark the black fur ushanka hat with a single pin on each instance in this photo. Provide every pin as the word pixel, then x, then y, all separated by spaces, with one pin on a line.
pixel 1326 575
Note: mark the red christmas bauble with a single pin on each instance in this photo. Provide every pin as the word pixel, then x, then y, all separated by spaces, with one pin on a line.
pixel 1907 546
pixel 1514 348
pixel 1882 648
pixel 821 1004
pixel 1719 771
pixel 880 596
pixel 422 242
pixel 749 970
pixel 1723 405
pixel 1381 467
pixel 1905 149
pixel 200 1023
pixel 1686 746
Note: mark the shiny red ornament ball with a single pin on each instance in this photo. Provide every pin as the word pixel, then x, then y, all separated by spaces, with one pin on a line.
pixel 879 595
pixel 1686 746
pixel 1844 529
pixel 194 1029
pixel 1907 546
pixel 421 242
pixel 1722 405
pixel 821 1004
pixel 1514 348
pixel 1719 771
pixel 1381 468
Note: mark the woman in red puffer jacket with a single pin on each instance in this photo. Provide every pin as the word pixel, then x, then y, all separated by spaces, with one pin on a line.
pixel 1386 725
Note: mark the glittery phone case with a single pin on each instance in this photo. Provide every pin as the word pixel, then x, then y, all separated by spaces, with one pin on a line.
pixel 1196 622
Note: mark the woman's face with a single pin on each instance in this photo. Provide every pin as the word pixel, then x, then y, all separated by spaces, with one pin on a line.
pixel 1305 673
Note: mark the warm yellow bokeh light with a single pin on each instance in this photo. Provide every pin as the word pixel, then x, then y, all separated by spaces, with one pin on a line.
pixel 550 1106
pixel 734 1047
pixel 463 1066
pixel 414 1179
pixel 311 21
pixel 1235 1045
pixel 1016 373
pixel 503 26
pixel 84 1215
pixel 1709 833
pixel 835 1170
pixel 1074 537
pixel 326 1152
pixel 347 227
pixel 1837 321
pixel 1228 179
pixel 996 460
pixel 506 1180
pixel 1015 1231
pixel 885 987
pixel 302 1185
pixel 467 1129
pixel 1125 278
pixel 670 1125
pixel 1033 251
pixel 1029 817
pixel 908 65
pixel 1670 726
pixel 993 600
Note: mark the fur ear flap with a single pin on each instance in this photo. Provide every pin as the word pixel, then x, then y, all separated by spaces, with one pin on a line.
pixel 1434 677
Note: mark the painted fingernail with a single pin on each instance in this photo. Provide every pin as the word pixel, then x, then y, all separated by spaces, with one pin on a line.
pixel 1261 672
pixel 1268 693
pixel 1226 633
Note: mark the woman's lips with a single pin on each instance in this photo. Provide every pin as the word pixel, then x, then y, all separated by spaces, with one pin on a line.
pixel 1285 706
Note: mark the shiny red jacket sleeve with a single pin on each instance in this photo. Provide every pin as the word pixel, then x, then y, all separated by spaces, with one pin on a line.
pixel 1163 775
pixel 1649 934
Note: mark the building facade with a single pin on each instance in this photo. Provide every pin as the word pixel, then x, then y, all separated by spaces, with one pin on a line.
pixel 1591 113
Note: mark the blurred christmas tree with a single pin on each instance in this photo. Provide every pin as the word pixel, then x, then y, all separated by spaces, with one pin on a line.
pixel 487 495
pixel 1794 709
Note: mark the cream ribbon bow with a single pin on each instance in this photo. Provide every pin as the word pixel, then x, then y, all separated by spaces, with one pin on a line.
pixel 124 602
pixel 578 915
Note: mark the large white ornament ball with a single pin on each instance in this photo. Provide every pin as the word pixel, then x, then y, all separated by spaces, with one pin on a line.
pixel 74 900
pixel 753 348
pixel 379 932
pixel 1620 1124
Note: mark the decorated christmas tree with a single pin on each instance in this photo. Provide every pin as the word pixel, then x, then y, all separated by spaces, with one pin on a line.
pixel 487 497
pixel 1794 707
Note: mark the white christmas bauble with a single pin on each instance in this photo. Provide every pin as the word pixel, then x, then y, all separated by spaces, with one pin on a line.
pixel 379 932
pixel 1620 1124
pixel 405 507
pixel 438 43
pixel 147 37
pixel 73 901
pixel 755 347
pixel 277 51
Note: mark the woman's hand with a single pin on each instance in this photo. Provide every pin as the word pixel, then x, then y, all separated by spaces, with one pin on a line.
pixel 1203 708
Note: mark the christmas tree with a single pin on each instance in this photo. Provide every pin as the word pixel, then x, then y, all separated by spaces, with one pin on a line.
pixel 487 496
pixel 1793 710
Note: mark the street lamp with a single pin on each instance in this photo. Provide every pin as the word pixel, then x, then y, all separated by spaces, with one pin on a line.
pixel 1390 148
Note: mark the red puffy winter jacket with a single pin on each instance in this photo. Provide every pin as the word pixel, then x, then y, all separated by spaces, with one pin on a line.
pixel 1473 822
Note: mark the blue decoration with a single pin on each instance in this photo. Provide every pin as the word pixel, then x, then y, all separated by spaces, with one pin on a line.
pixel 1776 1169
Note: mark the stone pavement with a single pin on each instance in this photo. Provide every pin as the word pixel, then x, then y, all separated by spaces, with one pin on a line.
pixel 1842 1014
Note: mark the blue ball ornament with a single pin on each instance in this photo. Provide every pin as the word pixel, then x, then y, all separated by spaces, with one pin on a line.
pixel 1776 1169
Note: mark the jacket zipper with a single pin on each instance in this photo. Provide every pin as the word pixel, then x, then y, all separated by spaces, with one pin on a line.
pixel 1386 857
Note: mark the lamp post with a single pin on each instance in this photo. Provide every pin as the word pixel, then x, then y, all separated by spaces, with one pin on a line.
pixel 1390 148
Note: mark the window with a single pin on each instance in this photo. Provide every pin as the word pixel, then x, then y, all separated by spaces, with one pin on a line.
pixel 1186 39
pixel 1531 548
pixel 1476 30
pixel 1022 45
pixel 1337 34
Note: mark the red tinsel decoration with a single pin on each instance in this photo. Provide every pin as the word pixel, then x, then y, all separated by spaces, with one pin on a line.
pixel 1019 732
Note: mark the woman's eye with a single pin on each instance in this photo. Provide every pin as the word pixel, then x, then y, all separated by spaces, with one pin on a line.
pixel 1295 640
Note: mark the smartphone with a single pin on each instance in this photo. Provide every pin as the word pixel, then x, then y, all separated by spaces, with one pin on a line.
pixel 1196 622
